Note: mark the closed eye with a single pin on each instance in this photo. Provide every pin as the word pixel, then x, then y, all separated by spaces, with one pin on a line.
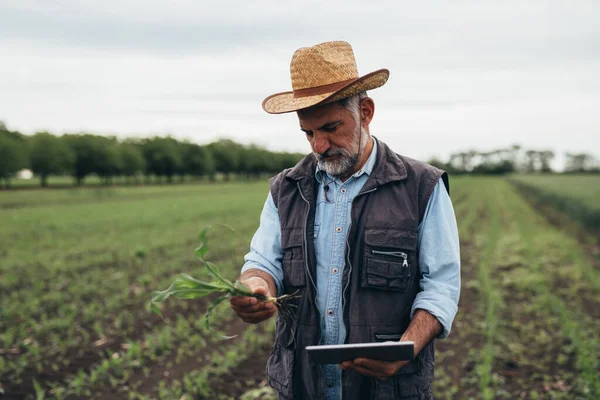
pixel 329 127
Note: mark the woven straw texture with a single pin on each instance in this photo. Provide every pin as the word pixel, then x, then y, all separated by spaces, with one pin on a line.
pixel 324 64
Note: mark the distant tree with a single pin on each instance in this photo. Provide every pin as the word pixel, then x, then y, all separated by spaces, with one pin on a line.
pixel 13 157
pixel 287 160
pixel 255 160
pixel 106 157
pixel 5 132
pixel 163 157
pixel 226 154
pixel 463 161
pixel 531 161
pixel 49 155
pixel 132 161
pixel 513 154
pixel 436 162
pixel 581 162
pixel 197 160
pixel 545 157
pixel 494 162
pixel 84 149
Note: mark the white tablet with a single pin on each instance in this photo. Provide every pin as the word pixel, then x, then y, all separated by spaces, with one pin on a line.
pixel 383 351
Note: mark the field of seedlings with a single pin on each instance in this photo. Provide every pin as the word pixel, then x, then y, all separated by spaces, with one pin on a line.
pixel 575 195
pixel 78 266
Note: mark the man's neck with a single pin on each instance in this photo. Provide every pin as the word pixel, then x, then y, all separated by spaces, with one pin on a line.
pixel 362 160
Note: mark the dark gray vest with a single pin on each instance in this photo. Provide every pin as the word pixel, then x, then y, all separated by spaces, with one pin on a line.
pixel 379 288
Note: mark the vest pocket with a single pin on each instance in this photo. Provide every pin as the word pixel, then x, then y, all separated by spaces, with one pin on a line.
pixel 389 260
pixel 385 274
pixel 292 261
pixel 293 269
pixel 280 369
pixel 280 364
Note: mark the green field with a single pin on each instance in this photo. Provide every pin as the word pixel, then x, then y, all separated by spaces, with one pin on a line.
pixel 575 195
pixel 78 265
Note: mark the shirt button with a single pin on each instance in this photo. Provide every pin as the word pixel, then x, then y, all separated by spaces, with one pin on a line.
pixel 338 229
pixel 334 271
pixel 330 312
pixel 343 190
pixel 330 385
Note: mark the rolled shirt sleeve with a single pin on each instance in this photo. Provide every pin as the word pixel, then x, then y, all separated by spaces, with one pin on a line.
pixel 439 260
pixel 265 247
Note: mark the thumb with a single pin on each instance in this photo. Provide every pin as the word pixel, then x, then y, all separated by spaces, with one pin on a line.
pixel 257 285
pixel 261 290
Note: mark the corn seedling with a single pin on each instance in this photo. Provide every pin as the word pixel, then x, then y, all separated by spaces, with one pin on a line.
pixel 187 287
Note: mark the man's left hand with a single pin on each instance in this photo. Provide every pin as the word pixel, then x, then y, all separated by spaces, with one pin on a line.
pixel 375 368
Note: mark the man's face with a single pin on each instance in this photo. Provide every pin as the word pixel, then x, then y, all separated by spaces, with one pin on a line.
pixel 335 137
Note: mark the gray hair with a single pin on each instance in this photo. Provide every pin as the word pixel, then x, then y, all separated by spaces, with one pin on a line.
pixel 351 104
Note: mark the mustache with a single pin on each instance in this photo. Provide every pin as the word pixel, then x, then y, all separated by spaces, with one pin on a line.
pixel 330 153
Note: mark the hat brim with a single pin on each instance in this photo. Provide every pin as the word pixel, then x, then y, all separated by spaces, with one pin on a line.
pixel 285 102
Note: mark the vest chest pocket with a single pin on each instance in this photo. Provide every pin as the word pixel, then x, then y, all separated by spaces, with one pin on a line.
pixel 389 260
pixel 292 261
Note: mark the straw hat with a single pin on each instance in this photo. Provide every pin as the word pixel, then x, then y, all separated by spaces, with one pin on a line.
pixel 323 74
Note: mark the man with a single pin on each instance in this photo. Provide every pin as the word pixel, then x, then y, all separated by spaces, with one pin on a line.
pixel 367 237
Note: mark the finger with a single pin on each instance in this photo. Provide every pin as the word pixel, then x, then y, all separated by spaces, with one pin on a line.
pixel 367 372
pixel 243 301
pixel 346 364
pixel 257 285
pixel 260 290
pixel 261 305
pixel 373 365
pixel 383 368
pixel 259 314
pixel 256 317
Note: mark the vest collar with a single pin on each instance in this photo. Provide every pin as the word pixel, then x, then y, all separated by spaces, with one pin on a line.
pixel 388 168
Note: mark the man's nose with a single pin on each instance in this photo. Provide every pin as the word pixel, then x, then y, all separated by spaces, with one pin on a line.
pixel 320 143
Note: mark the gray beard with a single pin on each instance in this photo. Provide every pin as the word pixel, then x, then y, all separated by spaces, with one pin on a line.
pixel 344 166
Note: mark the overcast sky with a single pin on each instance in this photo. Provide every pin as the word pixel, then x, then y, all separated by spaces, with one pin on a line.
pixel 462 74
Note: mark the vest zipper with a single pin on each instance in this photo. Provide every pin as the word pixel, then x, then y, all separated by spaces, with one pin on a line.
pixel 319 370
pixel 394 254
pixel 306 243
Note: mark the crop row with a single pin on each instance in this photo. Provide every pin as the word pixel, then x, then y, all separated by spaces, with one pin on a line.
pixel 79 295
pixel 523 329
pixel 577 196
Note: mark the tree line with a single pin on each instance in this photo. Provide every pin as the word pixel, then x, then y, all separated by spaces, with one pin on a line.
pixel 514 159
pixel 161 159
pixel 157 159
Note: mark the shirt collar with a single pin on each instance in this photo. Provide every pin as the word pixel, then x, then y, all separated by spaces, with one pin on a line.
pixel 367 168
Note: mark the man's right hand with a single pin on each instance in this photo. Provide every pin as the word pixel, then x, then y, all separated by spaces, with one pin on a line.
pixel 250 309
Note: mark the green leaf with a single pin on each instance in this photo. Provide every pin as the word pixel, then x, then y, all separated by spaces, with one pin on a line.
pixel 185 281
pixel 203 246
pixel 154 308
pixel 213 304
pixel 214 271
pixel 40 394
pixel 191 294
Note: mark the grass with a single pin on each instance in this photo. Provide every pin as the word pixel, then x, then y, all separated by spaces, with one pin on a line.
pixel 78 267
pixel 74 274
pixel 575 195
pixel 525 326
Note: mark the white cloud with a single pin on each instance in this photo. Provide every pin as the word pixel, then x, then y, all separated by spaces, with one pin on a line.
pixel 466 74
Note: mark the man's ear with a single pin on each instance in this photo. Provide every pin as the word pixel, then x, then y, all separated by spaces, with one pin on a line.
pixel 367 110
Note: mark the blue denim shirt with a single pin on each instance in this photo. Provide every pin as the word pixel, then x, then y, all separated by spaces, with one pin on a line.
pixel 439 257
